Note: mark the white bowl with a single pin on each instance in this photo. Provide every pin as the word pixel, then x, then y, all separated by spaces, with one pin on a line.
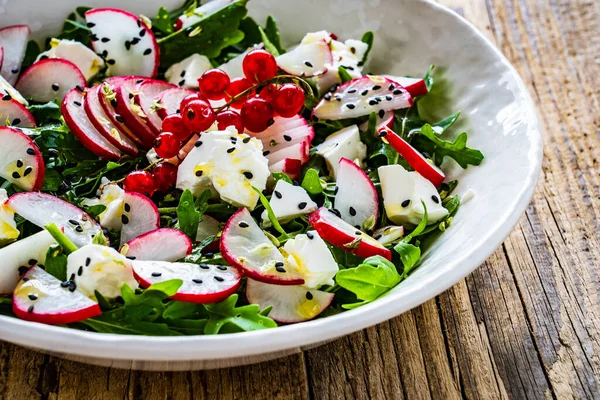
pixel 498 114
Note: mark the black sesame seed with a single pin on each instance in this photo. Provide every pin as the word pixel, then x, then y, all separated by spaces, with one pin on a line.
pixel 80 271
pixel 287 138
pixel 110 62
pixel 376 87
pixel 364 92
pixel 302 205
pixel 156 274
pixel 30 309
pixel 33 261
pixel 373 102
pixel 19 163
pixel 104 53
pixel 248 175
pixel 397 91
pixel 16 175
pixel 219 279
pixel 78 229
pixel 233 140
pixel 181 82
pixel 382 133
pixel 327 97
pixel 277 194
pixel 405 203
pixel 147 51
pixel 131 96
pixel 358 233
pixel 142 32
pixel 124 219
pixel 105 40
pixel 243 224
pixel 435 199
pixel 77 103
pixel 391 87
pixel 295 183
pixel 7 97
pixel 310 235
pixel 127 207
pixel 23 270
pixel 352 91
pixel 335 212
pixel 73 222
pixel 113 102
pixel 381 113
pixel 199 173
pixel 309 296
pixel 93 37
pixel 222 268
pixel 72 278
pixel 389 98
pixel 209 255
pixel 14 70
pixel 127 44
pixel 231 150
pixel 338 97
pixel 65 284
pixel 55 87
pixel 377 237
pixel 333 88
pixel 119 118
pixel 198 143
pixel 351 106
pixel 349 68
pixel 72 287
pixel 88 261
pixel 90 24
pixel 198 281
pixel 352 211
pixel 204 266
pixel 247 140
pixel 266 153
pixel 130 257
pixel 308 64
pixel 135 41
pixel 27 171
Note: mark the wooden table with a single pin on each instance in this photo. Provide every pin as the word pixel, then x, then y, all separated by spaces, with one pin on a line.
pixel 526 324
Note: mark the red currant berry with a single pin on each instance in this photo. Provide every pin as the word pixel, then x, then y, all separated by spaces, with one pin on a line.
pixel 237 86
pixel 230 118
pixel 165 176
pixel 174 123
pixel 268 92
pixel 140 182
pixel 198 115
pixel 257 114
pixel 213 84
pixel 288 100
pixel 167 145
pixel 259 65
pixel 191 97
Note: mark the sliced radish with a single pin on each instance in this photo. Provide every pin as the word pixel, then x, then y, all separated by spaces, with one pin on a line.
pixel 288 202
pixel 201 12
pixel 88 62
pixel 208 227
pixel 298 151
pixel 413 157
pixel 146 93
pixel 186 73
pixel 288 166
pixel 356 197
pixel 140 216
pixel 50 79
pixel 341 234
pixel 275 145
pixel 104 125
pixel 415 86
pixel 13 40
pixel 290 304
pixel 40 297
pixel 8 92
pixel 1 56
pixel 13 113
pixel 20 160
pixel 168 102
pixel 245 246
pixel 405 192
pixel 282 125
pixel 107 99
pixel 202 283
pixel 344 143
pixel 126 106
pixel 160 245
pixel 42 209
pixel 306 60
pixel 388 234
pixel 125 41
pixel 19 256
pixel 362 96
pixel 81 126
pixel 384 119
pixel 8 226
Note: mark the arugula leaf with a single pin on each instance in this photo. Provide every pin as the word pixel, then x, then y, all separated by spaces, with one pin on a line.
pixel 74 29
pixel 189 212
pixel 420 228
pixel 251 33
pixel 163 21
pixel 270 47
pixel 370 280
pixel 272 32
pixel 438 148
pixel 239 319
pixel 56 263
pixel 45 113
pixel 6 306
pixel 52 181
pixel 281 176
pixel 428 78
pixel 311 182
pixel 32 51
pixel 409 256
pixel 271 214
pixel 368 38
pixel 208 36
pixel 344 75
pixel 100 239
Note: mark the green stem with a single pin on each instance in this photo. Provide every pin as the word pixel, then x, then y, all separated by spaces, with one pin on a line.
pixel 167 210
pixel 62 239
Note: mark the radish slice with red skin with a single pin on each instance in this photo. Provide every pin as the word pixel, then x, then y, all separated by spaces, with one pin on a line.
pixel 140 216
pixel 164 244
pixel 13 40
pixel 291 304
pixel 341 234
pixel 169 101
pixel 415 86
pixel 147 91
pixel 40 297
pixel 384 119
pixel 50 79
pixel 1 56
pixel 298 151
pixel 245 246
pixel 289 166
pixel 13 113
pixel 202 283
pixel 20 160
pixel 412 156
pixel 306 59
pixel 132 113
pixel 81 126
pixel 356 197
pixel 99 118
pixel 283 125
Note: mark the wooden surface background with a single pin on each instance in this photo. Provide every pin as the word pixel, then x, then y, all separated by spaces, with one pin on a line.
pixel 526 324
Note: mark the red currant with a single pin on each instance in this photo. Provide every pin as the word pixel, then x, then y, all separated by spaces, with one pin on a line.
pixel 237 86
pixel 140 182
pixel 198 115
pixel 230 118
pixel 257 114
pixel 259 65
pixel 289 100
pixel 165 176
pixel 174 123
pixel 191 97
pixel 268 92
pixel 167 145
pixel 213 84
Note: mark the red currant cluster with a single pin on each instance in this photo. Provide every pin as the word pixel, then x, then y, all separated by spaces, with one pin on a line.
pixel 259 102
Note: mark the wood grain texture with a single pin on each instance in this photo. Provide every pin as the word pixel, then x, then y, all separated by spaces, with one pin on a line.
pixel 526 324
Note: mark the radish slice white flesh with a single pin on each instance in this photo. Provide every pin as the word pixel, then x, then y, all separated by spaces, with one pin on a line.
pixel 147 92
pixel 415 86
pixel 50 79
pixel 160 245
pixel 13 113
pixel 20 160
pixel 384 119
pixel 13 40
pixel 140 216
pixel 168 101
pixel 356 197
pixel 307 59
pixel 289 166
pixel 126 106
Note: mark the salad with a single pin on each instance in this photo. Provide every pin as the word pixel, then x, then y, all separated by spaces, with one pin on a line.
pixel 188 175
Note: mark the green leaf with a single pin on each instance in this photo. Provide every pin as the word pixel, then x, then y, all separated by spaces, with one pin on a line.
pixel 62 239
pixel 409 256
pixel 56 263
pixel 111 322
pixel 281 176
pixel 187 215
pixel 420 228
pixel 245 318
pixel 32 51
pixel 73 29
pixel 368 38
pixel 429 142
pixel 163 21
pixel 52 181
pixel 100 239
pixel 311 182
pixel 370 280
pixel 272 32
pixel 271 214
pixel 344 75
pixel 45 113
pixel 270 47
pixel 207 37
pixel 428 78
pixel 251 32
